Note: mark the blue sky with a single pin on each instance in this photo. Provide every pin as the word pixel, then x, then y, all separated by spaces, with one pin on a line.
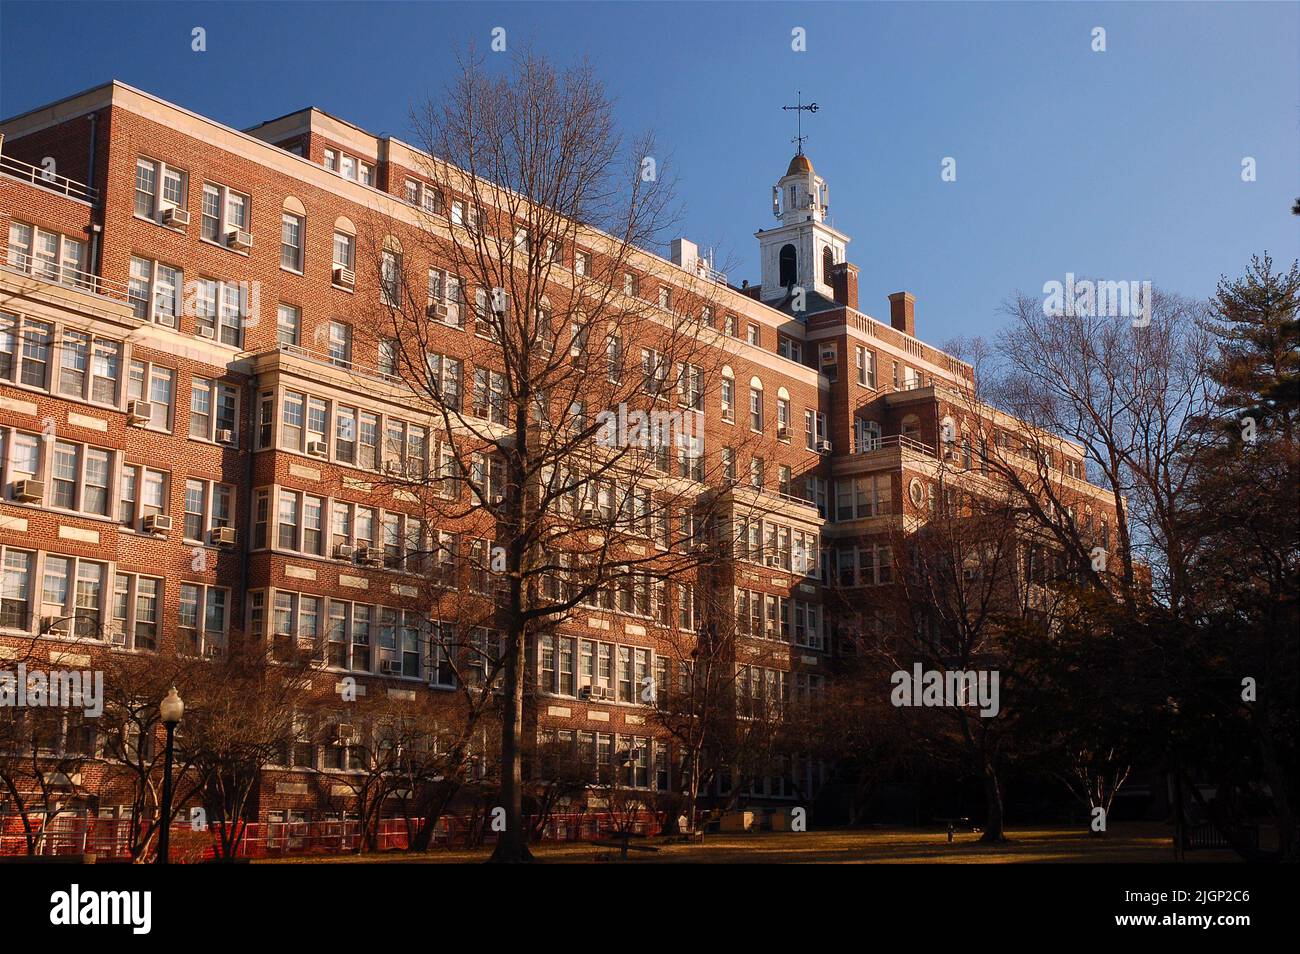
pixel 1123 165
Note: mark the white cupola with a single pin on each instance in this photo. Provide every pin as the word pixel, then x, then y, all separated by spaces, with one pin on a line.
pixel 799 251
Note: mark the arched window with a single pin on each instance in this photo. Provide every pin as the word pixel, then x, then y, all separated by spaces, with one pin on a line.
pixel 828 262
pixel 789 266
pixel 756 404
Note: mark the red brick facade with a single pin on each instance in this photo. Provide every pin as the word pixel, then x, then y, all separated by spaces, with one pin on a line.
pixel 852 369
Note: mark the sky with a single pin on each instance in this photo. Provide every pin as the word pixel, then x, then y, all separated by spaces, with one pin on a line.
pixel 1124 164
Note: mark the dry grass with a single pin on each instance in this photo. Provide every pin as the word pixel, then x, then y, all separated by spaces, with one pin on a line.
pixel 1150 843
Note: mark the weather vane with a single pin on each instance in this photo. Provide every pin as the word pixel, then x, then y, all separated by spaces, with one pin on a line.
pixel 799 110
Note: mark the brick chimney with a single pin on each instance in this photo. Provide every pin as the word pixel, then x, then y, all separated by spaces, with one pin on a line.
pixel 902 312
pixel 844 284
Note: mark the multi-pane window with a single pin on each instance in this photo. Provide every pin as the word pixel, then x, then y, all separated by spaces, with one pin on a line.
pixel 344 250
pixel 690 386
pixel 291 235
pixel 136 619
pixel 445 297
pixel 224 211
pixel 17 570
pixel 756 409
pixel 340 343
pixel 48 255
pixel 156 386
pixel 174 188
pixel 490 395
pixel 203 619
pixel 72 597
pixel 390 278
pixel 859 497
pixel 209 506
pixel 142 492
pixel 866 365
pixel 301 522
pixel 79 478
pixel 445 376
pixel 214 411
pixel 154 291
pixel 288 326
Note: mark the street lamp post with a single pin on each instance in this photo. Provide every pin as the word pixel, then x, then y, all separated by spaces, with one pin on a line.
pixel 170 709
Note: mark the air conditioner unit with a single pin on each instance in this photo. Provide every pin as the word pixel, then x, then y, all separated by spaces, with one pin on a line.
pixel 317 448
pixel 239 239
pixel 345 732
pixel 586 693
pixel 344 551
pixel 225 536
pixel 344 276
pixel 139 413
pixel 439 311
pixel 157 523
pixel 391 667
pixel 175 216
pixel 498 499
pixel 117 636
pixel 823 447
pixel 207 331
pixel 774 561
pixel 29 491
pixel 782 431
pixel 225 436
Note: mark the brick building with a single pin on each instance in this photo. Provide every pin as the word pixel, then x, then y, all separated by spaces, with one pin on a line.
pixel 178 468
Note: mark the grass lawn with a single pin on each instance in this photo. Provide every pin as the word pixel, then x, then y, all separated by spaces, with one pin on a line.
pixel 1123 843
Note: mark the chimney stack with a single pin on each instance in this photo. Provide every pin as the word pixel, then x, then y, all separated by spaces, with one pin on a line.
pixel 844 284
pixel 902 312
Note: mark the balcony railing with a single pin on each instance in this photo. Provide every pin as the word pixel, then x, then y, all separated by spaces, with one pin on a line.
pixel 346 364
pixel 893 440
pixel 26 172
pixel 63 275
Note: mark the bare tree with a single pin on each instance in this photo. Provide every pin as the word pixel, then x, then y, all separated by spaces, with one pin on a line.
pixel 1133 391
pixel 238 719
pixel 518 339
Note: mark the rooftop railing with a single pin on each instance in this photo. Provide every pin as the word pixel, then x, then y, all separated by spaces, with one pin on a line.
pixel 63 275
pixel 25 172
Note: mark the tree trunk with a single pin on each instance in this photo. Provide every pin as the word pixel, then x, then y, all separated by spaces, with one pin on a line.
pixel 512 844
pixel 993 831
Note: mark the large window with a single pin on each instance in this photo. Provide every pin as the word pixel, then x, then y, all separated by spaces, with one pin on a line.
pixel 209 506
pixel 155 291
pixel 157 386
pixel 72 597
pixel 48 255
pixel 141 493
pixel 224 211
pixel 16 572
pixel 135 611
pixel 203 619
pixel 291 237
pixel 214 411
pixel 157 187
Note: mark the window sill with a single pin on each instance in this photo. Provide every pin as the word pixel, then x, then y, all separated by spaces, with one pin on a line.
pixel 177 229
pixel 222 245
pixel 350 289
